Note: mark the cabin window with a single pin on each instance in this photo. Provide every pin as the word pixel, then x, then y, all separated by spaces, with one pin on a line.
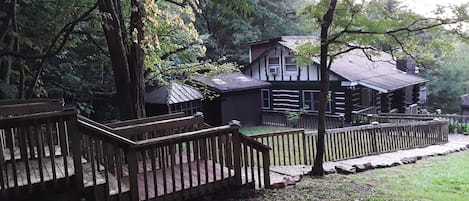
pixel 274 61
pixel 311 101
pixel 265 99
pixel 189 108
pixel 290 64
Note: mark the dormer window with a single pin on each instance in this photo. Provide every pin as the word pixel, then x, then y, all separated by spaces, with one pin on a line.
pixel 290 64
pixel 274 65
pixel 274 61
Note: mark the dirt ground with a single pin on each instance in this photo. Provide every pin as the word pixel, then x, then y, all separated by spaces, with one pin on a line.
pixel 329 188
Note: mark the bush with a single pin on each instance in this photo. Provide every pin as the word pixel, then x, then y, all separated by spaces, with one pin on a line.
pixel 293 118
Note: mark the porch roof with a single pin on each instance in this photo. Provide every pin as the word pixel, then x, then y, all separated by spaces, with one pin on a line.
pixel 380 74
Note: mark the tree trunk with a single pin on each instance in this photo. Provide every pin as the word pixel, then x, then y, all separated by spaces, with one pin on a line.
pixel 318 169
pixel 137 58
pixel 126 66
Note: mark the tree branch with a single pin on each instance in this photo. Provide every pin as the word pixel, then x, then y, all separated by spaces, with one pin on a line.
pixel 64 33
pixel 166 55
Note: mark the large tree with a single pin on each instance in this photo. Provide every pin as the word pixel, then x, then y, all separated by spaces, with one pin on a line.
pixel 128 43
pixel 365 26
pixel 70 45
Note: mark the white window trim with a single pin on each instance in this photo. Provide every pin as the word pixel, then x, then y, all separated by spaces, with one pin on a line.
pixel 285 66
pixel 262 98
pixel 313 91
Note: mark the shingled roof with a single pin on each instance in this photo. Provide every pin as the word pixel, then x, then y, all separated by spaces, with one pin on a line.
pixel 172 93
pixel 231 82
pixel 380 73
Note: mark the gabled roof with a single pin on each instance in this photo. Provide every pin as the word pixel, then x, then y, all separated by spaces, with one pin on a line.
pixel 231 82
pixel 380 74
pixel 172 93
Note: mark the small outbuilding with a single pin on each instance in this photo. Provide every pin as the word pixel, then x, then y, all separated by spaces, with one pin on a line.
pixel 172 98
pixel 238 97
pixel 465 104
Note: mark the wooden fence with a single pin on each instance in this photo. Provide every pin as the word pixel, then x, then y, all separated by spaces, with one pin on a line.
pixel 295 147
pixel 37 151
pixel 457 123
pixel 307 120
pixel 177 166
pixel 165 157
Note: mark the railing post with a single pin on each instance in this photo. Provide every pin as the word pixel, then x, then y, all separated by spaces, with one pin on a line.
pixel 75 145
pixel 266 163
pixel 236 152
pixel 373 134
pixel 342 121
pixel 305 149
pixel 133 174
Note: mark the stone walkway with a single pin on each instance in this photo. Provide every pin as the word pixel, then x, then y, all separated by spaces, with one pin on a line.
pixel 285 175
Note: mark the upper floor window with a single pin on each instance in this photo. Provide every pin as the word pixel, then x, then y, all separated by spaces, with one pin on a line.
pixel 290 64
pixel 274 61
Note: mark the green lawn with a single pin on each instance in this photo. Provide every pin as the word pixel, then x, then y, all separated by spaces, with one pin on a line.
pixel 442 178
pixel 438 178
pixel 263 130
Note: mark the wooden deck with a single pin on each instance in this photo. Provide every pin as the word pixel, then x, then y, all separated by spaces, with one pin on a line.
pixel 156 182
pixel 35 177
pixel 177 159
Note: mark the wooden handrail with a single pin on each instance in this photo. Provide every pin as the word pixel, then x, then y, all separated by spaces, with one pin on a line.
pixel 278 133
pixel 306 113
pixel 98 132
pixel 254 143
pixel 378 126
pixel 25 101
pixel 15 120
pixel 142 144
pixel 145 120
pixel 94 123
pixel 138 129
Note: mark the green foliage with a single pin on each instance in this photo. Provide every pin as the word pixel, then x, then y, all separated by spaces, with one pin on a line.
pixel 448 81
pixel 226 34
pixel 380 25
pixel 294 117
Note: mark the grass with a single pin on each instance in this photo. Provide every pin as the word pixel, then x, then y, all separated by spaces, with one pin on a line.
pixel 438 179
pixel 257 130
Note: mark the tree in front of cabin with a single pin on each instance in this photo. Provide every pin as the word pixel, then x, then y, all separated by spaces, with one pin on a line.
pixel 366 26
pixel 100 48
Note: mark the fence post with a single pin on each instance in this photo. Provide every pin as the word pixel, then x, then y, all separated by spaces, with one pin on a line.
pixel 75 146
pixel 342 121
pixel 373 132
pixel 266 163
pixel 234 125
pixel 133 174
pixel 305 149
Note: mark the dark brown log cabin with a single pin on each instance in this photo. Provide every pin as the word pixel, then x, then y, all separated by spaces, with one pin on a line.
pixel 356 82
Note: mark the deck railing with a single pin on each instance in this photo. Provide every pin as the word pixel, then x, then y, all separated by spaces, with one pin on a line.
pixel 142 131
pixel 180 165
pixel 296 147
pixel 307 120
pixel 16 107
pixel 288 147
pixel 103 156
pixel 256 161
pixel 37 151
pixel 343 143
pixel 457 123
